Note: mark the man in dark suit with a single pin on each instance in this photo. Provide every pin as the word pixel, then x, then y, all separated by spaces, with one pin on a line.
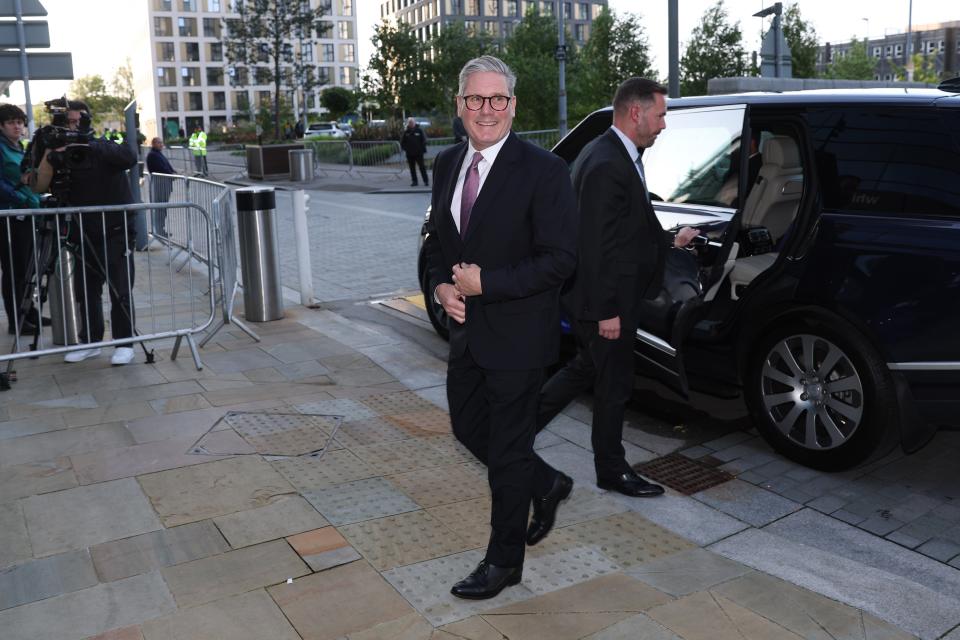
pixel 621 254
pixel 501 242
pixel 161 184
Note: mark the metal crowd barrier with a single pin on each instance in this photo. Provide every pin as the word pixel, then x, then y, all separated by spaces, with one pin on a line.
pixel 52 256
pixel 357 157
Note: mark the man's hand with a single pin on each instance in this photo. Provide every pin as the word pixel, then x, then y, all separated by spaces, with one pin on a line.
pixel 452 302
pixel 467 279
pixel 685 236
pixel 610 328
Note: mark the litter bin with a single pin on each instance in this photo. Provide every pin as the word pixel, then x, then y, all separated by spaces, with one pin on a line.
pixel 62 297
pixel 301 165
pixel 259 253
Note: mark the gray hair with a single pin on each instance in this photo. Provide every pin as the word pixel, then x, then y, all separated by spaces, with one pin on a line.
pixel 487 64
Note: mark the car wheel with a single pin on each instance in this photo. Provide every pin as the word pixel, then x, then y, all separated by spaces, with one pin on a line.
pixel 438 317
pixel 821 395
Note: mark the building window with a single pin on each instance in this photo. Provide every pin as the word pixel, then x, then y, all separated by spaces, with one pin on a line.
pixel 165 52
pixel 187 27
pixel 306 53
pixel 347 53
pixel 583 11
pixel 264 98
pixel 491 8
pixel 454 7
pixel 323 75
pixel 345 30
pixel 213 6
pixel 163 5
pixel 215 52
pixel 567 11
pixel 324 29
pixel 325 8
pixel 876 52
pixel 548 8
pixel 190 76
pixel 162 27
pixel 241 101
pixel 214 77
pixel 898 50
pixel 168 101
pixel 511 8
pixel 348 75
pixel 262 75
pixel 941 46
pixel 194 101
pixel 188 5
pixel 191 52
pixel 211 27
pixel 888 50
pixel 346 7
pixel 326 53
pixel 166 76
pixel 472 7
pixel 492 28
pixel 238 77
pixel 581 33
pixel 217 100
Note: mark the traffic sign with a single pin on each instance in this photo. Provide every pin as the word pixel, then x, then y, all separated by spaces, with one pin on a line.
pixel 560 52
pixel 40 66
pixel 36 34
pixel 30 8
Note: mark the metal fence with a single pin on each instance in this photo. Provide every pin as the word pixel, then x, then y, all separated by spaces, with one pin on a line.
pixel 357 157
pixel 65 259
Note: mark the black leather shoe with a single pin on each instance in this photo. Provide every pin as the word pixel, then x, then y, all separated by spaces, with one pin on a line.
pixel 630 484
pixel 545 509
pixel 487 581
pixel 413 184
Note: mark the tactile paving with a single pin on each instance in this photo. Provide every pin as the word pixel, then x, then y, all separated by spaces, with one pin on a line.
pixel 584 505
pixel 359 433
pixel 283 434
pixel 426 585
pixel 627 539
pixel 442 485
pixel 360 500
pixel 403 539
pixel 347 408
pixel 309 473
pixel 403 455
pixel 565 568
pixel 453 450
pixel 397 403
pixel 469 519
pixel 422 423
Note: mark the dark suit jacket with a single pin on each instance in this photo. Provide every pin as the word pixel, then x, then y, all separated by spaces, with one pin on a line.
pixel 522 234
pixel 622 245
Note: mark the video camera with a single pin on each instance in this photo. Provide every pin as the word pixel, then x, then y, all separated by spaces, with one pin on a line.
pixel 73 143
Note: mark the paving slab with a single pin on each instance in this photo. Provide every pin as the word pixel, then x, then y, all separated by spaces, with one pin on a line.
pixel 403 539
pixel 108 413
pixel 56 444
pixel 397 403
pixel 14 540
pixel 706 616
pixel 634 627
pixel 408 364
pixel 313 473
pixel 358 433
pixel 131 632
pixel 687 571
pixel 473 628
pixel 239 360
pixel 281 518
pixel 89 612
pixel 85 516
pixel 747 502
pixel 910 606
pixel 437 395
pixel 807 614
pixel 422 423
pixel 31 426
pixel 831 536
pixel 323 548
pixel 426 586
pixel 940 549
pixel 146 552
pixel 360 500
pixel 147 393
pixel 179 404
pixel 348 409
pixel 318 346
pixel 549 570
pixel 584 505
pixel 217 488
pixel 232 573
pixel 469 519
pixel 571 430
pixel 271 393
pixel 404 455
pixel 44 578
pixel 34 478
pixel 250 616
pixel 339 601
pixel 108 378
pixel 442 485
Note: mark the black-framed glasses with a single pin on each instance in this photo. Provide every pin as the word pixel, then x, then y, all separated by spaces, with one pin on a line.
pixel 475 102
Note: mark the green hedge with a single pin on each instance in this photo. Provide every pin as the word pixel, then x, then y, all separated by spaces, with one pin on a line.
pixel 374 155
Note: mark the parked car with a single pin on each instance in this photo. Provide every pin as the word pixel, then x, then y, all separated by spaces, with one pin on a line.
pixel 826 286
pixel 325 130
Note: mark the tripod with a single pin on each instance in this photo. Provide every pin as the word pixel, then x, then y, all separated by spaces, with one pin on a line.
pixel 49 239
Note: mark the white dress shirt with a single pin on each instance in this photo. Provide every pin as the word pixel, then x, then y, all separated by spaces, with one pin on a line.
pixel 489 156
pixel 631 151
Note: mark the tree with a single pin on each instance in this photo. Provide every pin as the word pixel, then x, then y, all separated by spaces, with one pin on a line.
pixel 715 50
pixel 262 35
pixel 104 106
pixel 854 64
pixel 452 49
pixel 617 49
pixel 924 69
pixel 123 85
pixel 802 39
pixel 397 71
pixel 529 52
pixel 338 101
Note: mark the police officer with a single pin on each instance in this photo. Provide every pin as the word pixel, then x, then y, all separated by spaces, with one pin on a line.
pixel 198 146
pixel 107 240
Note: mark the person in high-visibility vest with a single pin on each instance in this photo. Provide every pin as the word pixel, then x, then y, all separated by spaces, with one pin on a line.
pixel 198 146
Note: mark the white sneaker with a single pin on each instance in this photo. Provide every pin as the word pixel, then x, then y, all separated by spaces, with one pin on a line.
pixel 122 355
pixel 80 356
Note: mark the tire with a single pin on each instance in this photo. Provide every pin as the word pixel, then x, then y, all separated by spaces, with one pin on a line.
pixel 821 395
pixel 438 317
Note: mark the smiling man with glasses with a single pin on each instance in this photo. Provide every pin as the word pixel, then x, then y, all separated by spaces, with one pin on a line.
pixel 501 241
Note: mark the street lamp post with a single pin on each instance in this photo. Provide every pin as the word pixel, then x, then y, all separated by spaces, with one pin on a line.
pixel 561 56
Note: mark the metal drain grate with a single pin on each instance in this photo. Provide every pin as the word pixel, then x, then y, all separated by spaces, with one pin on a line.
pixel 682 474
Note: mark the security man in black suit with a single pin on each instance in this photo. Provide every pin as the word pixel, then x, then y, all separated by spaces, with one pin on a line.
pixel 501 242
pixel 621 254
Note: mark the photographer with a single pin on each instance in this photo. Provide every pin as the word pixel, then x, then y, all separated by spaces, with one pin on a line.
pixel 92 172
pixel 16 234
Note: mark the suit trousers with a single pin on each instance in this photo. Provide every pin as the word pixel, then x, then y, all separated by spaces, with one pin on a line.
pixel 494 415
pixel 105 258
pixel 607 367
pixel 417 161
pixel 16 251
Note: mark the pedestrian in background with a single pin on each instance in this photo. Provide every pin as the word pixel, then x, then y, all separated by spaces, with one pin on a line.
pixel 459 133
pixel 161 184
pixel 198 146
pixel 414 143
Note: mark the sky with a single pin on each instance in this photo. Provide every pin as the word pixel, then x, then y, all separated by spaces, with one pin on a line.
pixel 96 36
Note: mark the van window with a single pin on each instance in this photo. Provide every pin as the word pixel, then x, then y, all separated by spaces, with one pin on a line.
pixel 887 160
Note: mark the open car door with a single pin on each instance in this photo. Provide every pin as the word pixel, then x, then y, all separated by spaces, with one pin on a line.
pixel 696 174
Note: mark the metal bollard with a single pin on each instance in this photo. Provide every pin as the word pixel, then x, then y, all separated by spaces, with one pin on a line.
pixel 259 253
pixel 62 298
pixel 301 165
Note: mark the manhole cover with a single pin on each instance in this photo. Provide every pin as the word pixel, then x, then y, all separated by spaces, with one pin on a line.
pixel 682 474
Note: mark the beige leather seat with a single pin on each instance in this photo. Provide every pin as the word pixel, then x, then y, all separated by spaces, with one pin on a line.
pixel 775 198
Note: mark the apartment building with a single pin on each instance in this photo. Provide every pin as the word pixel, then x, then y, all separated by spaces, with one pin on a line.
pixel 194 83
pixel 498 18
pixel 940 41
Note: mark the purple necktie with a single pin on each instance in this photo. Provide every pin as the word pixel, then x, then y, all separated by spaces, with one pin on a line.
pixel 471 184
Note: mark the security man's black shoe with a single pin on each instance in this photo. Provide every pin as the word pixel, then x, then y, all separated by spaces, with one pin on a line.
pixel 545 508
pixel 487 581
pixel 630 484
